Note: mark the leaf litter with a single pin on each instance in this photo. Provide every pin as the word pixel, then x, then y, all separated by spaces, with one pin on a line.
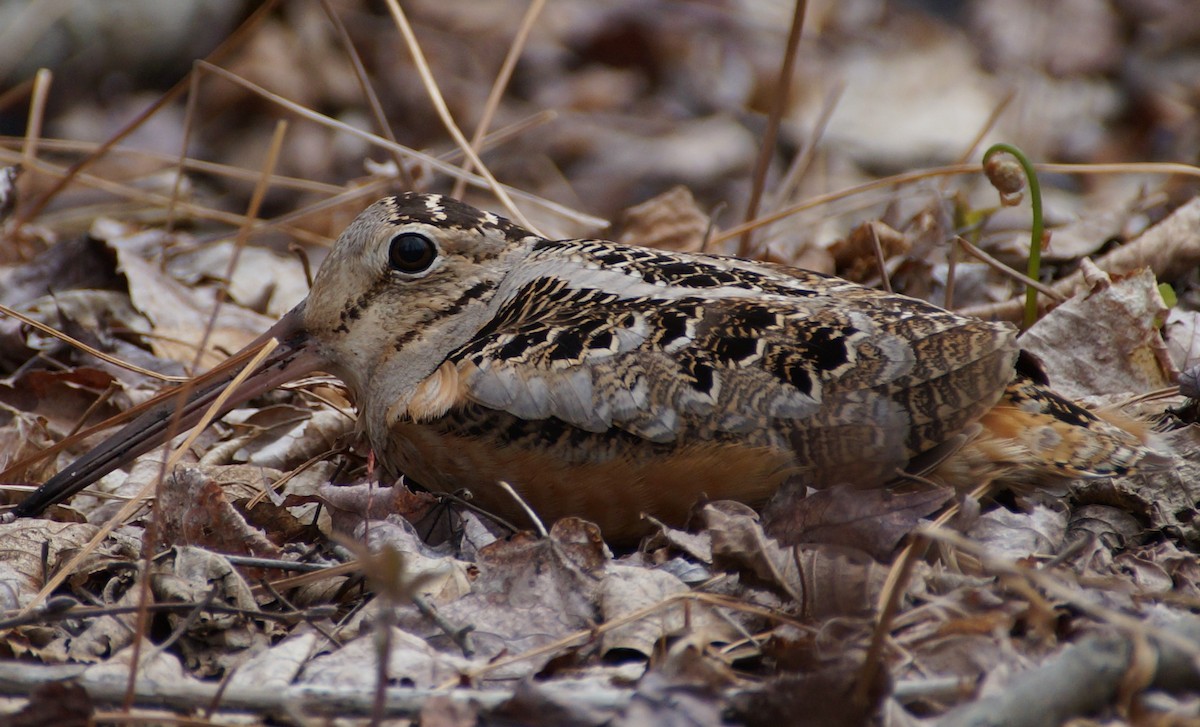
pixel 901 606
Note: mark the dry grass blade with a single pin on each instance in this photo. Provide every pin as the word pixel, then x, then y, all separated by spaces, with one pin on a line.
pixel 766 149
pixel 137 500
pixel 502 78
pixel 439 103
pixel 233 41
pixel 1005 270
pixel 433 162
pixel 54 332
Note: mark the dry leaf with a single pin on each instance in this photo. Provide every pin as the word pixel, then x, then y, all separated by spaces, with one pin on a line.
pixel 873 520
pixel 1105 341
pixel 670 221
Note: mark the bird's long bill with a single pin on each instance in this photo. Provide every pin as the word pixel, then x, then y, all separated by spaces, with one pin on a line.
pixel 292 358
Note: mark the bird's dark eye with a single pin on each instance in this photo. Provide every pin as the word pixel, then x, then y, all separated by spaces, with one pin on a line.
pixel 410 252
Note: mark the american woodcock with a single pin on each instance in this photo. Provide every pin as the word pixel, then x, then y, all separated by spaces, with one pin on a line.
pixel 606 380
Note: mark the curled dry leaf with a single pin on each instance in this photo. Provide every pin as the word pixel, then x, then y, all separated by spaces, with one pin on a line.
pixel 195 511
pixel 284 436
pixel 1163 498
pixel 350 505
pixel 873 520
pixel 212 643
pixel 22 570
pixel 822 580
pixel 442 578
pixel 411 660
pixel 670 221
pixel 530 591
pixel 1105 341
pixel 277 666
pixel 1017 535
pixel 626 589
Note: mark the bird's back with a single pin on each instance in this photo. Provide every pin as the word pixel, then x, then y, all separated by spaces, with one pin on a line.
pixel 645 379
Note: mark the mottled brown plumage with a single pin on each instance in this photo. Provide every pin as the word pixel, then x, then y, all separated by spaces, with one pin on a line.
pixel 604 380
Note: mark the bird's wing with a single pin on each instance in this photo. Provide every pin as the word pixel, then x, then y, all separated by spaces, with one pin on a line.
pixel 710 348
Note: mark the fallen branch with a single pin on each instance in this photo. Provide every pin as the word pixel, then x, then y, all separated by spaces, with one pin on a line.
pixel 1085 678
pixel 17 679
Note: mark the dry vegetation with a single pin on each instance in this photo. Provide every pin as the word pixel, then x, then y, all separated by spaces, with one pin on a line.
pixel 272 575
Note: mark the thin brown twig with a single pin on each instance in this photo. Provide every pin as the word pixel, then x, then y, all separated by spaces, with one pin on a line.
pixel 189 117
pixel 433 162
pixel 804 159
pixel 1003 269
pixel 256 198
pixel 233 41
pixel 137 499
pixel 443 111
pixel 532 11
pixel 880 261
pixel 766 151
pixel 368 91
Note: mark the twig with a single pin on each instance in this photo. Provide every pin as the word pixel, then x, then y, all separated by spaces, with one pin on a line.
pixel 17 679
pixel 460 635
pixel 501 83
pixel 1003 269
pixel 879 259
pixel 364 84
pixel 533 517
pixel 766 150
pixel 443 111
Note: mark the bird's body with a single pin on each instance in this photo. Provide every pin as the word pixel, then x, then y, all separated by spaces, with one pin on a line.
pixel 605 380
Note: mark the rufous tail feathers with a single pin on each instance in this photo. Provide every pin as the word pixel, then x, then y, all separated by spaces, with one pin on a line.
pixel 1034 435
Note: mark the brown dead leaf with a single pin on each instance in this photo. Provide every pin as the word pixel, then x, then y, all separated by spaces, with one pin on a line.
pixel 212 643
pixel 350 505
pixel 283 436
pixel 1165 497
pixel 532 590
pixel 1017 535
pixel 873 520
pixel 278 666
pixel 822 580
pixel 670 221
pixel 855 253
pixel 1182 332
pixel 22 569
pixel 626 589
pixel 411 661
pixel 1105 341
pixel 61 703
pixel 440 577
pixel 182 314
pixel 194 511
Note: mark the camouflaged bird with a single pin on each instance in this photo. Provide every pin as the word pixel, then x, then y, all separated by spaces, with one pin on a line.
pixel 605 380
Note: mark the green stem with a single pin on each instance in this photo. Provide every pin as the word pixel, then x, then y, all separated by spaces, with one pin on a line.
pixel 1033 268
